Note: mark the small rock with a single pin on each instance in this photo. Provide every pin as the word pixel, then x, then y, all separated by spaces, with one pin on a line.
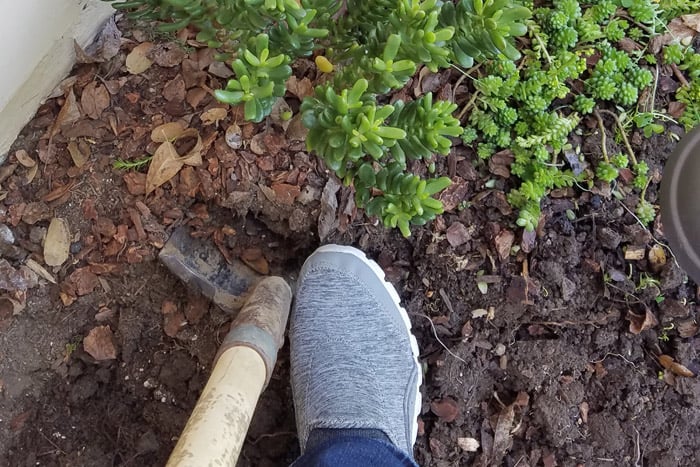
pixel 671 276
pixel 609 238
pixel 6 235
pixel 499 350
pixel 37 234
pixel 568 288
pixel 468 444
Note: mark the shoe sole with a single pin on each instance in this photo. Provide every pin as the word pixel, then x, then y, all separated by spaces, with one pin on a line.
pixel 379 273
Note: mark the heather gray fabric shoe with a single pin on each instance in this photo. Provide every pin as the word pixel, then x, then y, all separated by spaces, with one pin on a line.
pixel 354 361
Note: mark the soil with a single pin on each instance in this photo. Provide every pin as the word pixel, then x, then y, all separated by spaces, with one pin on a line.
pixel 542 347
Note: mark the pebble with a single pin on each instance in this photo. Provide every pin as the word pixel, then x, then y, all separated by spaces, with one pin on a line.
pixel 6 235
pixel 37 235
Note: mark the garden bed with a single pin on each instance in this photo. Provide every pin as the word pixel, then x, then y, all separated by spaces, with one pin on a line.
pixel 542 346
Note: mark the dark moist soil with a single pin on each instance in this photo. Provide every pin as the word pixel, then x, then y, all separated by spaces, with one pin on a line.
pixel 542 363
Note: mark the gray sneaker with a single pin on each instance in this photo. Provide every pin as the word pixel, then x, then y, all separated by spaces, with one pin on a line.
pixel 354 361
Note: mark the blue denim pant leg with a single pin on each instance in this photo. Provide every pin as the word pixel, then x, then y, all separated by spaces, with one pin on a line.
pixel 352 448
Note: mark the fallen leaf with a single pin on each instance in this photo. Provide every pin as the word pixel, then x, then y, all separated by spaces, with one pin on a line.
pixel 437 448
pixel 137 61
pixel 257 144
pixel 167 131
pixel 99 343
pixel 676 368
pixel 234 138
pixel 94 100
pixel 502 437
pixel 254 258
pixel 79 159
pixel 168 55
pixel 639 323
pixel 327 219
pixel 166 162
pixel 58 192
pixel 57 242
pixel 213 115
pixel 296 131
pixel 447 409
pixel 688 328
pixel 24 158
pixel 18 421
pixel 499 163
pixel 40 270
pixel 458 234
pixel 301 88
pixel 68 114
pixel 175 90
pixel 583 410
pixel 676 109
pixel 468 444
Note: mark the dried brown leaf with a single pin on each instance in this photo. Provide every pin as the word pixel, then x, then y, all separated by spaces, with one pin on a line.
pixel 254 258
pixel 175 89
pixel 166 162
pixel 84 280
pixel 327 219
pixel 99 343
pixel 57 242
pixel 58 192
pixel 137 61
pixel 24 158
pixel 94 100
pixel 502 438
pixel 213 115
pixel 167 131
pixel 69 113
pixel 301 88
pixel 639 323
pixel 79 159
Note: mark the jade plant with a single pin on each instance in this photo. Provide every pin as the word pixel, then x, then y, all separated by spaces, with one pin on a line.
pixel 368 49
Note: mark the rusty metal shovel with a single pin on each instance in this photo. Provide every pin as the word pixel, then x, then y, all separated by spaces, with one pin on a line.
pixel 215 431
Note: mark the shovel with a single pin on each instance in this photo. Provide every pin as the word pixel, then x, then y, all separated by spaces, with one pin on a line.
pixel 215 431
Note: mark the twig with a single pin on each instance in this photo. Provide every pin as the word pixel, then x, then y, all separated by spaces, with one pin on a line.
pixel 255 441
pixel 432 326
pixel 679 75
pixel 623 134
pixel 603 136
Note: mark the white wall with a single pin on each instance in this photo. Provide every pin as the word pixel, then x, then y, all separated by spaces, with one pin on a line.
pixel 37 53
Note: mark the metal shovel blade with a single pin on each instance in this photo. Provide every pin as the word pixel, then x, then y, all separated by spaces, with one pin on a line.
pixel 200 265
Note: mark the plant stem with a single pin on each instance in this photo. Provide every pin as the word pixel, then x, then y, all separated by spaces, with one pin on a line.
pixel 603 136
pixel 623 134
